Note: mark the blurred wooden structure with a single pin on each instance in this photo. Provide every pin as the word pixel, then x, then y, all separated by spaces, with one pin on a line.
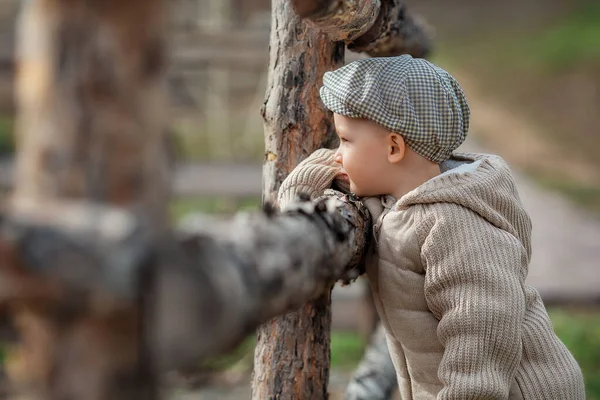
pixel 8 11
pixel 219 51
pixel 217 75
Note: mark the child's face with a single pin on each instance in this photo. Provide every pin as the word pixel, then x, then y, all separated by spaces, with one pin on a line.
pixel 363 155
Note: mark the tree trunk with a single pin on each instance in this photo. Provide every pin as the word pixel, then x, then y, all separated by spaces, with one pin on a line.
pixel 91 127
pixel 292 353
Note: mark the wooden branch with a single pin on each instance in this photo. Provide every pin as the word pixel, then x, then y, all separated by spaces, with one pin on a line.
pixel 342 21
pixel 75 255
pixel 379 28
pixel 209 289
pixel 253 268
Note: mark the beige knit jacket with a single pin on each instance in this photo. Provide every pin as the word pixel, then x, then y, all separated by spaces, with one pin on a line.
pixel 448 279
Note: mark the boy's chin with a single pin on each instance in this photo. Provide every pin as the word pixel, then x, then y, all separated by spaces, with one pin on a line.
pixel 362 192
pixel 357 191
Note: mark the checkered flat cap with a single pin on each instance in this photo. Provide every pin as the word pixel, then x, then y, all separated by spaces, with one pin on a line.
pixel 407 95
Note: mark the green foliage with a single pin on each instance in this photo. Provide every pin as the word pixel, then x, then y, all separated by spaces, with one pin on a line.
pixel 241 355
pixel 586 196
pixel 211 205
pixel 346 349
pixel 195 143
pixel 580 332
pixel 7 145
pixel 571 42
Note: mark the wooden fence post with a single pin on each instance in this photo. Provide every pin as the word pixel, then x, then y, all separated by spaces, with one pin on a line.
pixel 292 353
pixel 91 128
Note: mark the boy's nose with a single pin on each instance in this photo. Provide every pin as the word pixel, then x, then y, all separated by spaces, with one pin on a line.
pixel 337 157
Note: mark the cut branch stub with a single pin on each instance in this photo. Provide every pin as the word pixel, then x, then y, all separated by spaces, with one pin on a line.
pixel 396 31
pixel 342 21
pixel 254 268
pixel 379 28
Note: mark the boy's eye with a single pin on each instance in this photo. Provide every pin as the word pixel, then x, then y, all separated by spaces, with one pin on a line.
pixel 343 139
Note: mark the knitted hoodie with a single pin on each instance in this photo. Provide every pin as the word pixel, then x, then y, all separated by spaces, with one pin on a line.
pixel 451 258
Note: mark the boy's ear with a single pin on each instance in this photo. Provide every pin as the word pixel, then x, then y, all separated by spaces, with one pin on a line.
pixel 396 147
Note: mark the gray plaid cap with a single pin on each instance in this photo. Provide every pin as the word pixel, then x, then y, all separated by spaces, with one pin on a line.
pixel 407 95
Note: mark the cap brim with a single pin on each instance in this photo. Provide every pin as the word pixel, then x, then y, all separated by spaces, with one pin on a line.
pixel 333 103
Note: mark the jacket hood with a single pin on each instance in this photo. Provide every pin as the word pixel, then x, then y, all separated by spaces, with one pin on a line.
pixel 484 184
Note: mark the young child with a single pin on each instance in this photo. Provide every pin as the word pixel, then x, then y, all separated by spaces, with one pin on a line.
pixel 452 239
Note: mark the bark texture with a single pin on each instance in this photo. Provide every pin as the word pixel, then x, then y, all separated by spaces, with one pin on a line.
pixel 380 28
pixel 291 359
pixel 90 127
pixel 210 284
pixel 255 268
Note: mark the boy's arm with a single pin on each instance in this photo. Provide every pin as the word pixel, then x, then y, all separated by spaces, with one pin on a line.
pixel 312 176
pixel 474 286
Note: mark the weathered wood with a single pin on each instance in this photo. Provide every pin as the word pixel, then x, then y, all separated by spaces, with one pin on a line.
pixel 260 266
pixel 210 287
pixel 291 358
pixel 342 21
pixel 379 28
pixel 91 126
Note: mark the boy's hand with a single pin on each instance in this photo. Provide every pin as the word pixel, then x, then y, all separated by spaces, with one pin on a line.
pixel 312 176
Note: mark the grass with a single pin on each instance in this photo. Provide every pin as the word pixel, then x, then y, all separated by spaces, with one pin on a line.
pixel 7 145
pixel 211 205
pixel 578 329
pixel 569 43
pixel 586 196
pixel 241 355
pixel 580 332
pixel 194 143
pixel 346 350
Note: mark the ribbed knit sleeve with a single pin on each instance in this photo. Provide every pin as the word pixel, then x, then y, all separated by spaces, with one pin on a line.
pixel 474 286
pixel 312 176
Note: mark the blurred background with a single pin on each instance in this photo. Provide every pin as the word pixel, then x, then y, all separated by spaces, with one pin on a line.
pixel 531 72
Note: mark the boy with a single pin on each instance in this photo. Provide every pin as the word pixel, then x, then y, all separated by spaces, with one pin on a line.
pixel 452 240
